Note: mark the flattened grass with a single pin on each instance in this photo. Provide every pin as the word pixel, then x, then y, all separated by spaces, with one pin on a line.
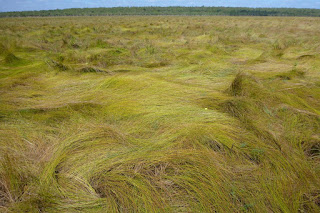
pixel 159 114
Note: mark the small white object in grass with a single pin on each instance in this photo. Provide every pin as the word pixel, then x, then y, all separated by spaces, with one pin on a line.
pixel 205 108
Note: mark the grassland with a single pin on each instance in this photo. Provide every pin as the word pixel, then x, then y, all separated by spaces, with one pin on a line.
pixel 159 114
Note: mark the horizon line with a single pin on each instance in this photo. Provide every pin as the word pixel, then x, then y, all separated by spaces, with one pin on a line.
pixel 68 8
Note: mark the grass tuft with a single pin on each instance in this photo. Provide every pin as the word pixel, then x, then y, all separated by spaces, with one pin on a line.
pixel 3 49
pixel 57 65
pixel 292 74
pixel 10 58
pixel 90 69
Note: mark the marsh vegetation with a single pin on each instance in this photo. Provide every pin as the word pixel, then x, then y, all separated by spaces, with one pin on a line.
pixel 160 114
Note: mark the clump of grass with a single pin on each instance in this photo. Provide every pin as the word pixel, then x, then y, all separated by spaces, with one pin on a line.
pixel 91 69
pixel 156 64
pixel 110 57
pixel 292 74
pixel 313 199
pixel 306 57
pixel 69 41
pixel 280 45
pixel 10 58
pixel 236 87
pixel 254 105
pixel 100 44
pixel 14 177
pixel 312 147
pixel 57 65
pixel 56 114
pixel 245 85
pixel 3 49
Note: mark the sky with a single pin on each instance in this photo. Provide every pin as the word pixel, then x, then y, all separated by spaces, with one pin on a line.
pixel 22 5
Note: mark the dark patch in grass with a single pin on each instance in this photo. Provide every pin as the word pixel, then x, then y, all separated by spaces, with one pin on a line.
pixel 57 65
pixel 235 107
pixel 306 56
pixel 10 58
pixel 214 145
pixel 122 71
pixel 76 46
pixel 237 85
pixel 91 70
pixel 156 64
pixel 313 150
pixel 256 155
pixel 73 106
pixel 291 74
pixel 310 201
pixel 244 85
pixel 100 44
pixel 43 201
pixel 52 115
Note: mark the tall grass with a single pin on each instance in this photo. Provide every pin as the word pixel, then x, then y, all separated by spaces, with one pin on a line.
pixel 159 114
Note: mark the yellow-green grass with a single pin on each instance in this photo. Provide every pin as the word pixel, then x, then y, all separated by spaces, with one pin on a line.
pixel 159 114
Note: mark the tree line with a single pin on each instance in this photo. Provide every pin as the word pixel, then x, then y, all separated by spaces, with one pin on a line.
pixel 215 11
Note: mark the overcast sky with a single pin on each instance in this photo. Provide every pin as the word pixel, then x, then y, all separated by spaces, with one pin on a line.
pixel 20 5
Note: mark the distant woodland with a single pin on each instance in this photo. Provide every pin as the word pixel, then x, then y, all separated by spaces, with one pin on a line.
pixel 190 11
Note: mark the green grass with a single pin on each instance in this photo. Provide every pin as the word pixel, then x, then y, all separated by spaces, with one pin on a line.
pixel 159 114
